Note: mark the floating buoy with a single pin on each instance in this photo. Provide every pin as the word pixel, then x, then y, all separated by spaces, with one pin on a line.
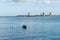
pixel 24 26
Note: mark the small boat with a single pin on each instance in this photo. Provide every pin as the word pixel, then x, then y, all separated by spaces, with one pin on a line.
pixel 24 26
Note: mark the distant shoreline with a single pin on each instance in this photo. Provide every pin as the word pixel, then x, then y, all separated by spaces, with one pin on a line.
pixel 31 16
pixel 35 15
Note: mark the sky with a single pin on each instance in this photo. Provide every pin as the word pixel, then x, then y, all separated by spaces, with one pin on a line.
pixel 22 7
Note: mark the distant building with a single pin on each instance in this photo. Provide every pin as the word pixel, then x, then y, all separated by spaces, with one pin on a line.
pixel 30 14
pixel 43 14
pixel 50 14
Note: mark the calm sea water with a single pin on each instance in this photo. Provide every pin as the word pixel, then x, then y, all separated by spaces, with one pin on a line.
pixel 38 28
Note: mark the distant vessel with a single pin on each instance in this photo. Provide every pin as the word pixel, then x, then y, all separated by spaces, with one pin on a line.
pixel 24 26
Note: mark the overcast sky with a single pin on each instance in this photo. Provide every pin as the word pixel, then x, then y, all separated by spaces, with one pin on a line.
pixel 16 7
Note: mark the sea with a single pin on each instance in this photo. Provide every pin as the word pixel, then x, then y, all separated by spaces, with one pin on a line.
pixel 38 28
